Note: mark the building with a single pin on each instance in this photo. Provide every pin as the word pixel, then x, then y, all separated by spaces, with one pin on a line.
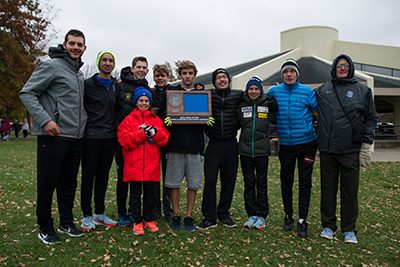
pixel 314 48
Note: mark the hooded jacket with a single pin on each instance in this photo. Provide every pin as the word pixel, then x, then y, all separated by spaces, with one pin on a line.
pixel 55 92
pixel 296 102
pixel 141 158
pixel 334 128
pixel 100 108
pixel 126 92
pixel 254 117
pixel 224 111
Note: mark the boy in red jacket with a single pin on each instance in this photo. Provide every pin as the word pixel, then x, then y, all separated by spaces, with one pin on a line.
pixel 141 134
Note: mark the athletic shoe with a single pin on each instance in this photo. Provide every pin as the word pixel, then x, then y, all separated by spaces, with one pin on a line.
pixel 260 223
pixel 287 223
pixel 49 237
pixel 87 224
pixel 205 224
pixel 138 229
pixel 327 233
pixel 131 218
pixel 103 219
pixel 302 229
pixel 228 222
pixel 151 226
pixel 176 223
pixel 188 224
pixel 70 229
pixel 350 237
pixel 250 222
pixel 123 220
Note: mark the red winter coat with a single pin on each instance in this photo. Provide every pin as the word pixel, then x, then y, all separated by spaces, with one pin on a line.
pixel 141 158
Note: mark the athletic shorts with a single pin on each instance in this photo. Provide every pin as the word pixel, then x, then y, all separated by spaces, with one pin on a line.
pixel 184 165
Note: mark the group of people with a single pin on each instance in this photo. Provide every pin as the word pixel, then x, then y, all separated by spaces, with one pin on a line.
pixel 94 120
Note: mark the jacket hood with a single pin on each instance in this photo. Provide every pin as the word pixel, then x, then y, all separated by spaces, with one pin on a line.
pixel 350 77
pixel 59 52
pixel 127 76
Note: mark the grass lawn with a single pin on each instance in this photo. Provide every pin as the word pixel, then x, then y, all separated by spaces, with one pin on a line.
pixel 378 226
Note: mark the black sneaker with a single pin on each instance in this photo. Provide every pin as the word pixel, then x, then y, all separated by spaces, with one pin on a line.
pixel 228 222
pixel 70 230
pixel 49 237
pixel 287 223
pixel 205 224
pixel 302 229
pixel 176 223
pixel 188 224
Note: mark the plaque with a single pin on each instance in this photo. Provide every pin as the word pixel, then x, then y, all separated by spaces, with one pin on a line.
pixel 189 107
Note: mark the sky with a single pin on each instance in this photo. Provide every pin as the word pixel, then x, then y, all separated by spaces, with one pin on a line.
pixel 216 33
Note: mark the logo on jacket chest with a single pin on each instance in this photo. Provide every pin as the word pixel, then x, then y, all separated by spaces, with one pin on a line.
pixel 349 94
pixel 128 96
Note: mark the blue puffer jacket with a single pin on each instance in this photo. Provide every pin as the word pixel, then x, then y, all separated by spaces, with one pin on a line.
pixel 296 103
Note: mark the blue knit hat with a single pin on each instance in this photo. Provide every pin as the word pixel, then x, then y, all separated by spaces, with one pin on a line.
pixel 142 91
pixel 255 81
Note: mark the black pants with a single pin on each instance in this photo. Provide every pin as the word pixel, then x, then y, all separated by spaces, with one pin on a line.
pixel 304 154
pixel 57 169
pixel 122 188
pixel 149 190
pixel 166 202
pixel 346 168
pixel 219 158
pixel 255 194
pixel 96 163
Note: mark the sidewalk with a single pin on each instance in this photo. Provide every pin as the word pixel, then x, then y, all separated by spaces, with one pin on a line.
pixel 386 155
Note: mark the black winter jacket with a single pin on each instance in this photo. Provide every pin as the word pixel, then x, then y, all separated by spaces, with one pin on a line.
pixel 254 117
pixel 159 100
pixel 224 111
pixel 126 92
pixel 334 128
pixel 186 138
pixel 99 103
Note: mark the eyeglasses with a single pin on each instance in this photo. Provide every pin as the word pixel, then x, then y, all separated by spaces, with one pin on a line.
pixel 344 66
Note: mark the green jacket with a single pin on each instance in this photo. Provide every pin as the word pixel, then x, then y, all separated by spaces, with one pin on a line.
pixel 254 118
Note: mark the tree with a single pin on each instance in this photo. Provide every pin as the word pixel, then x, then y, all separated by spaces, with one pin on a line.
pixel 24 27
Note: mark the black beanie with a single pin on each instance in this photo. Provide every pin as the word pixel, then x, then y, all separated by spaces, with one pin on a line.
pixel 218 71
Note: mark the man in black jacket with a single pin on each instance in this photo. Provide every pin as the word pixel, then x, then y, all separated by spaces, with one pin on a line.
pixel 185 155
pixel 346 110
pixel 131 78
pixel 98 142
pixel 222 152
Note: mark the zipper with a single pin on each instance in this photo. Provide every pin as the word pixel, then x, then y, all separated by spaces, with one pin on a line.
pixel 222 116
pixel 144 145
pixel 253 129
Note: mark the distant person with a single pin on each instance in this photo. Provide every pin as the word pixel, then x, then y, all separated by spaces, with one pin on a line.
pixel 346 122
pixel 132 77
pixel 25 128
pixel 255 113
pixel 297 142
pixel 161 76
pixel 141 134
pixel 99 142
pixel 5 129
pixel 221 156
pixel 16 128
pixel 53 96
pixel 185 156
